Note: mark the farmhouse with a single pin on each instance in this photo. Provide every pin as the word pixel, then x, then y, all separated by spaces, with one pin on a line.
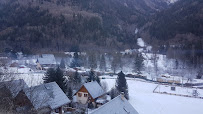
pixel 46 61
pixel 89 92
pixel 118 105
pixel 45 98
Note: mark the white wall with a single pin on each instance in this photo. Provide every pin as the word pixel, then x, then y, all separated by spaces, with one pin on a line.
pixel 82 99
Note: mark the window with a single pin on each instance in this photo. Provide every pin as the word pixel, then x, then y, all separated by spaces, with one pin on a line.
pixel 79 94
pixel 85 95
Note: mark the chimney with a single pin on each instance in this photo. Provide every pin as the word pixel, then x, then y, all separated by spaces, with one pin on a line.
pixel 122 96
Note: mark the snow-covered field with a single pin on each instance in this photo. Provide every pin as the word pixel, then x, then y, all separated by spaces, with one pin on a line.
pixel 179 90
pixel 146 102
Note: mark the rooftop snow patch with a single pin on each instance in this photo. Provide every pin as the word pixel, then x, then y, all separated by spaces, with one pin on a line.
pixel 14 86
pixel 47 59
pixel 94 89
pixel 46 95
pixel 117 105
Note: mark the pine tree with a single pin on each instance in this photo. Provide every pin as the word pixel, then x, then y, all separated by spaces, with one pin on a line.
pixel 77 78
pixel 70 93
pixel 113 93
pixel 49 75
pixel 92 61
pixel 139 63
pixel 75 62
pixel 91 76
pixel 60 79
pixel 102 65
pixel 121 84
pixel 116 63
pixel 62 64
pixel 55 75
pixel 98 80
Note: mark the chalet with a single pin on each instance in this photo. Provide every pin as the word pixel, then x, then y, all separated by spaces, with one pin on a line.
pixel 43 99
pixel 46 61
pixel 89 92
pixel 118 105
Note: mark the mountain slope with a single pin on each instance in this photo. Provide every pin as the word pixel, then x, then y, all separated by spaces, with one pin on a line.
pixel 51 25
pixel 178 31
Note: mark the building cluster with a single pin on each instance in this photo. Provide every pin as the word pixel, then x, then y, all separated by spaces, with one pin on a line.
pixel 48 98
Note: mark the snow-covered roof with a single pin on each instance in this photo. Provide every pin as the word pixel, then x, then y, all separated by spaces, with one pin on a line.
pixel 117 105
pixel 47 59
pixel 94 89
pixel 14 86
pixel 46 95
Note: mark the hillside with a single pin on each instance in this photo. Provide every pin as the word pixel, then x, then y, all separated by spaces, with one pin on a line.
pixel 177 31
pixel 57 25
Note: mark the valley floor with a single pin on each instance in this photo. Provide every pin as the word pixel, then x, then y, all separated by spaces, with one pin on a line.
pixel 141 96
pixel 146 102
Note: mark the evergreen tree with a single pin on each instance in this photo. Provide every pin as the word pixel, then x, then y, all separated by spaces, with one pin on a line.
pixel 176 64
pixel 60 79
pixel 77 78
pixel 139 63
pixel 91 76
pixel 70 93
pixel 113 93
pixel 121 84
pixel 98 80
pixel 75 62
pixel 92 61
pixel 55 75
pixel 62 64
pixel 49 75
pixel 102 65
pixel 116 63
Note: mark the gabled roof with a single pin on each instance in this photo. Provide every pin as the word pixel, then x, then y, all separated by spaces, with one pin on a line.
pixel 14 86
pixel 94 89
pixel 117 105
pixel 47 59
pixel 46 95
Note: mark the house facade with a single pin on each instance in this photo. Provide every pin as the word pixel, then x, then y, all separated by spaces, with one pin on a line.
pixel 89 92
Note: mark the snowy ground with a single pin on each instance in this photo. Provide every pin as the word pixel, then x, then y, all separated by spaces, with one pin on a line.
pixel 146 102
pixel 30 77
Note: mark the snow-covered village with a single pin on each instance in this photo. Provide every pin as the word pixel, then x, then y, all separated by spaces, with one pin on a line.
pixel 80 82
pixel 101 56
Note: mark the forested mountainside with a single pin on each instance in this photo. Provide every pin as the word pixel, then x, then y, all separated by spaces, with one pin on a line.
pixel 58 25
pixel 178 29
